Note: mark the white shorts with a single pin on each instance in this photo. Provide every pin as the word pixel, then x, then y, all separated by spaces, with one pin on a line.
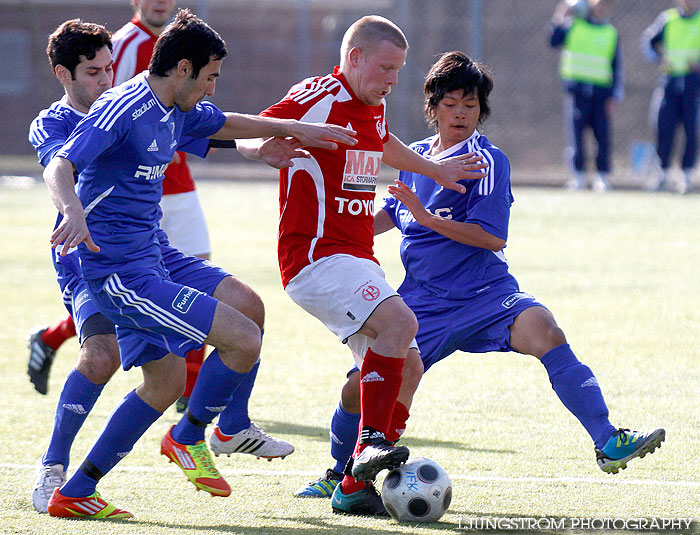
pixel 184 223
pixel 342 291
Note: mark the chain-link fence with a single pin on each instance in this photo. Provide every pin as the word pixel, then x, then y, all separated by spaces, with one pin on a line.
pixel 274 43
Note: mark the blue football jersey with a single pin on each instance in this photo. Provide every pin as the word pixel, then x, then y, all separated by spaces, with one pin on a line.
pixel 447 268
pixel 121 149
pixel 47 134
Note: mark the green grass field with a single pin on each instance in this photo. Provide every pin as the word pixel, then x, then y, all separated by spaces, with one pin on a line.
pixel 619 272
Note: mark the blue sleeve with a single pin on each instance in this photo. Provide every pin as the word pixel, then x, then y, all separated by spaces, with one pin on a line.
pixel 47 135
pixel 203 120
pixel 490 200
pixel 390 206
pixel 94 135
pixel 558 35
pixel 194 145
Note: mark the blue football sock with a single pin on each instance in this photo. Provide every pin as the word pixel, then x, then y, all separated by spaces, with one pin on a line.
pixel 211 394
pixel 127 423
pixel 579 391
pixel 77 399
pixel 235 417
pixel 344 430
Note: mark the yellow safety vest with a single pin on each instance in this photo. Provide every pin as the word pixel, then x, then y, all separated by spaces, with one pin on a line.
pixel 588 53
pixel 681 40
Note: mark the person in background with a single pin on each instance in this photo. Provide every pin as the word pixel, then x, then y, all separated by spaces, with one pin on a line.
pixel 673 42
pixel 592 72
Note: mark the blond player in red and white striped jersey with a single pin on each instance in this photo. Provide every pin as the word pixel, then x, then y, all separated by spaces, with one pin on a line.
pixel 326 235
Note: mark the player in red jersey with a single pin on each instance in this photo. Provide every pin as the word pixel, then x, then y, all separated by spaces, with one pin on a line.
pixel 326 235
pixel 183 217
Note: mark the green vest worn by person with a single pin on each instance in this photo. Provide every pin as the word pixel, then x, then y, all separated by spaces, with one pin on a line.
pixel 588 53
pixel 681 40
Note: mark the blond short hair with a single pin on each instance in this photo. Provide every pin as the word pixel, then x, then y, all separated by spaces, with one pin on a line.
pixel 368 32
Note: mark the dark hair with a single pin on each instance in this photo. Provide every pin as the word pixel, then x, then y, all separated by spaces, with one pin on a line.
pixel 75 38
pixel 453 71
pixel 187 37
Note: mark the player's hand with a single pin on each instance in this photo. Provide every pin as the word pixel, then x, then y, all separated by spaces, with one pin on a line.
pixel 72 231
pixel 325 136
pixel 278 152
pixel 405 195
pixel 465 166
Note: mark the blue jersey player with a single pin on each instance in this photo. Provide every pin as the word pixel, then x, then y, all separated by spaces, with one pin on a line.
pixel 457 280
pixel 80 55
pixel 161 310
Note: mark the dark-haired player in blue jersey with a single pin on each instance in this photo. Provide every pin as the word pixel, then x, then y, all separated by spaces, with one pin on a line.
pixel 79 53
pixel 80 56
pixel 120 150
pixel 457 280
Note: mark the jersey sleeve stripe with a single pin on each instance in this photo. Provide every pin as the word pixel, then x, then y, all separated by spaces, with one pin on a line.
pixel 119 106
pixel 487 183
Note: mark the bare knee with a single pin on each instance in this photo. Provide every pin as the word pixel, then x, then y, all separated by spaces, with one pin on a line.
pixel 350 394
pixel 243 349
pixel 240 296
pixel 99 358
pixel 412 370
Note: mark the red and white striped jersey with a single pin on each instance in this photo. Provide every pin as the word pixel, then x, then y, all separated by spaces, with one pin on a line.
pixel 133 47
pixel 327 201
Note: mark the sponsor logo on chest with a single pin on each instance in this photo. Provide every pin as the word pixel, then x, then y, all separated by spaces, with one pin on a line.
pixel 138 112
pixel 150 172
pixel 361 170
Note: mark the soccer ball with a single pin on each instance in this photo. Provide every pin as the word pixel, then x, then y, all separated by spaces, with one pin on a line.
pixel 418 491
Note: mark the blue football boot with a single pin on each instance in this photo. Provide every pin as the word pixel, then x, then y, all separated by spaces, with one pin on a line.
pixel 625 445
pixel 323 487
pixel 364 502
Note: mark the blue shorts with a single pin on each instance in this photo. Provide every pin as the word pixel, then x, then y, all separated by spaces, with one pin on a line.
pixel 476 325
pixel 79 305
pixel 167 309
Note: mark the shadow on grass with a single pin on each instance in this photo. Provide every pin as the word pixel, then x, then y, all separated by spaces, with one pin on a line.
pixel 321 433
pixel 304 525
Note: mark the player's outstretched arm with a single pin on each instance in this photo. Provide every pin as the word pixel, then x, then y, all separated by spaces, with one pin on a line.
pixel 325 136
pixel 276 152
pixel 445 172
pixel 382 222
pixel 73 230
pixel 467 233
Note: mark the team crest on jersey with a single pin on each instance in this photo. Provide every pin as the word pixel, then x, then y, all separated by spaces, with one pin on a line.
pixel 184 299
pixel 381 128
pixel 361 170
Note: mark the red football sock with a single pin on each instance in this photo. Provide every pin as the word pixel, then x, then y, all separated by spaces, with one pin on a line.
pixel 59 333
pixel 379 387
pixel 349 485
pixel 193 362
pixel 398 422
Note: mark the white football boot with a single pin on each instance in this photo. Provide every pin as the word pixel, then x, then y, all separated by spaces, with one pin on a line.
pixel 253 441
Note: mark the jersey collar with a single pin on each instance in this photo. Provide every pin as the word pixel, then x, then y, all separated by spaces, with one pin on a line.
pixel 141 78
pixel 64 103
pixel 136 21
pixel 453 149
